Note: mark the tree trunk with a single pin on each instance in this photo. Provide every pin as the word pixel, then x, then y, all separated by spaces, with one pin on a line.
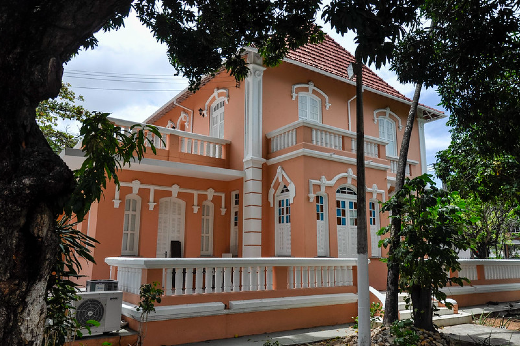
pixel 422 307
pixel 362 241
pixel 37 38
pixel 392 283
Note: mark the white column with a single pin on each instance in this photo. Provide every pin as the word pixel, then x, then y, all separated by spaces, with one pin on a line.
pixel 253 160
pixel 422 144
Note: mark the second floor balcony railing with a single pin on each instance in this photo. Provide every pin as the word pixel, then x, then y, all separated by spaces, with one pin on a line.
pixel 174 145
pixel 324 136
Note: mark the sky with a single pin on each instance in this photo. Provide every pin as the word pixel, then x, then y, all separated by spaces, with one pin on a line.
pixel 128 75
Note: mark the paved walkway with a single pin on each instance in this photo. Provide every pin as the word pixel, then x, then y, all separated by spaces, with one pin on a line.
pixel 463 332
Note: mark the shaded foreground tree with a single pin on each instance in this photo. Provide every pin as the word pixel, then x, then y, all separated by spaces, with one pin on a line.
pixel 36 39
pixel 432 233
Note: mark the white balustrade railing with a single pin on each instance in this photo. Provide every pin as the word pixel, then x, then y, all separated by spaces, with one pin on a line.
pixel 283 140
pixel 371 148
pixel 327 139
pixel 185 276
pixel 394 163
pixel 494 269
pixel 190 143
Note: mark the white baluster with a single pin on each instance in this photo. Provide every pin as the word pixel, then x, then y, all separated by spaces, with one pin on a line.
pixel 319 277
pixel 227 279
pixel 246 278
pixel 198 280
pixel 298 277
pixel 208 280
pixel 189 281
pixel 350 276
pixel 293 133
pixel 178 281
pixel 261 278
pixel 254 278
pixel 236 279
pixel 330 271
pixel 305 277
pixel 290 278
pixel 312 277
pixel 269 278
pixel 218 280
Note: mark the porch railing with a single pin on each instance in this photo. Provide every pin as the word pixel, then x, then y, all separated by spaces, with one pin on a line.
pixel 181 141
pixel 489 269
pixel 185 276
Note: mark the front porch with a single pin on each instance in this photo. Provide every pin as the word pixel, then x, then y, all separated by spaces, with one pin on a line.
pixel 237 296
pixel 219 298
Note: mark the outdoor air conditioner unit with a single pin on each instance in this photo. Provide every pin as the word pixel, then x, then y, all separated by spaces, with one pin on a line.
pixel 103 307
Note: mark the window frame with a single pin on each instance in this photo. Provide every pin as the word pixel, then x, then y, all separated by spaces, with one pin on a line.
pixel 136 231
pixel 310 97
pixel 211 217
pixel 220 122
pixel 383 120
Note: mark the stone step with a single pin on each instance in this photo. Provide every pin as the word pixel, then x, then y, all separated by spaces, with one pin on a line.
pixel 454 319
pixel 405 314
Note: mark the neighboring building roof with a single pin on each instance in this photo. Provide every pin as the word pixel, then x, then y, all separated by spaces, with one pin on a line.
pixel 328 57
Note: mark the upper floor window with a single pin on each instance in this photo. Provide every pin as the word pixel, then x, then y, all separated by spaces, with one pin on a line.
pixel 387 132
pixel 309 107
pixel 217 118
pixel 131 225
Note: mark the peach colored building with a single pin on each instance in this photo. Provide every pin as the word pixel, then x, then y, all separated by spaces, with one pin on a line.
pixel 247 214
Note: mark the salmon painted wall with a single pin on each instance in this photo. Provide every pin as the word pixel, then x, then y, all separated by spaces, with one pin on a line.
pixel 279 108
pixel 233 114
pixel 303 212
pixel 109 230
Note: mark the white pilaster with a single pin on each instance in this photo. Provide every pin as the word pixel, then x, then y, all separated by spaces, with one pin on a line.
pixel 253 160
pixel 422 144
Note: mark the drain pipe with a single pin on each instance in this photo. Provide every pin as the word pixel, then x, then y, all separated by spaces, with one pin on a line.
pixel 189 110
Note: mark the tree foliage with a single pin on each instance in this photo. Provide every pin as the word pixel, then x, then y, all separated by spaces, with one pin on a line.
pixel 51 113
pixel 201 35
pixel 432 233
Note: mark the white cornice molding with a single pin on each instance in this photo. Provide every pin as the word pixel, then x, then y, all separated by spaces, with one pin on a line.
pixel 175 189
pixel 323 182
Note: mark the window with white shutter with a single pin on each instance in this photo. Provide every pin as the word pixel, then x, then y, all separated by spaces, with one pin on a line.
pixel 131 225
pixel 387 132
pixel 309 107
pixel 206 240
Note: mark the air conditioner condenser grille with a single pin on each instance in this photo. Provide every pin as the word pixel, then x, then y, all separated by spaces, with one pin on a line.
pixel 89 309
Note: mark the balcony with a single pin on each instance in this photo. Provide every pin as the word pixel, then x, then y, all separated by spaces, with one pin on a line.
pixel 176 145
pixel 318 139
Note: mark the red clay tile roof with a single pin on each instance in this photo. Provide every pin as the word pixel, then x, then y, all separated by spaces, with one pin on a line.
pixel 327 56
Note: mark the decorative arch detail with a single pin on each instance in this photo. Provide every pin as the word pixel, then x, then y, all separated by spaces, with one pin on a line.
pixel 183 118
pixel 310 87
pixel 216 96
pixel 280 177
pixel 387 112
pixel 323 182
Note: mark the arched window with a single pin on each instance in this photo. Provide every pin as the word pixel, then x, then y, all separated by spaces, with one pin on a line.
pixel 131 225
pixel 206 241
pixel 217 118
pixel 309 107
pixel 387 132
